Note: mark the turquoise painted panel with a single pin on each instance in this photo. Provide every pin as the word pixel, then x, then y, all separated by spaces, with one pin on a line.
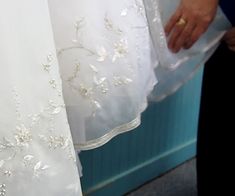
pixel 166 138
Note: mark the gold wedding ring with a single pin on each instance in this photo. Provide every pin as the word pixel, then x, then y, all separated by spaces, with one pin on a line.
pixel 181 22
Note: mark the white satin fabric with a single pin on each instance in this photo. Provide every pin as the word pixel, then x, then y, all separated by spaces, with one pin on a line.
pixel 37 156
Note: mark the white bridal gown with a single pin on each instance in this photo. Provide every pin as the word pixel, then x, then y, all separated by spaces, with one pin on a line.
pixel 110 61
pixel 36 151
pixel 104 52
pixel 110 58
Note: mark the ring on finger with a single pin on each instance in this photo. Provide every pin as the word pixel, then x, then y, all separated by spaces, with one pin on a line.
pixel 181 22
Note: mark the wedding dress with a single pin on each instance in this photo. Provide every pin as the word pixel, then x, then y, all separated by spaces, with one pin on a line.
pixel 36 151
pixel 112 54
pixel 104 52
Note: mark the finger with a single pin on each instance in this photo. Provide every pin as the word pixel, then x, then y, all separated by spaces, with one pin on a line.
pixel 183 37
pixel 171 23
pixel 178 29
pixel 231 42
pixel 230 34
pixel 198 31
pixel 187 42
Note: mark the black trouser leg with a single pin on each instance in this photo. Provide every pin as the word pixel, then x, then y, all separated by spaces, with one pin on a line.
pixel 216 143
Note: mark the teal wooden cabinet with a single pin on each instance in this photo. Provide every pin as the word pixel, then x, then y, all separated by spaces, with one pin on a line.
pixel 166 138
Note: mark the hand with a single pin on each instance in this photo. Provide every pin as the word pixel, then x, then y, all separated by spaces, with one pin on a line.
pixel 229 38
pixel 189 22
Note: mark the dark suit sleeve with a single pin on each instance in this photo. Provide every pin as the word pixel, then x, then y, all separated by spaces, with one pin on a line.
pixel 228 7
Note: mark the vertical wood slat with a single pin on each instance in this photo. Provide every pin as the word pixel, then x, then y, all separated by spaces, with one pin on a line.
pixel 165 138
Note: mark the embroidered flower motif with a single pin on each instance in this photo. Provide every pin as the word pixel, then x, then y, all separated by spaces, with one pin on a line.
pixel 55 141
pixel 23 136
pixel 120 49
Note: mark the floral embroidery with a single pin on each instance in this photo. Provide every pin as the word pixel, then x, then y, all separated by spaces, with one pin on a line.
pixel 120 49
pixel 55 142
pixel 23 136
pixel 113 52
pixel 14 147
pixel 76 44
pixel 47 65
pixel 110 26
pixel 37 167
pixel 2 189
